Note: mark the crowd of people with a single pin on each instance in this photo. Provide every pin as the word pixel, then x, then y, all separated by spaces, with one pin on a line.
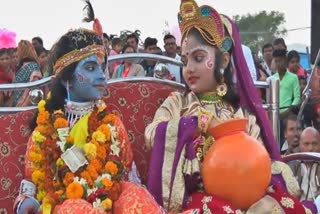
pixel 219 73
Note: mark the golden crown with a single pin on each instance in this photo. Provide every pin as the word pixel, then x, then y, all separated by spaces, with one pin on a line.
pixel 206 20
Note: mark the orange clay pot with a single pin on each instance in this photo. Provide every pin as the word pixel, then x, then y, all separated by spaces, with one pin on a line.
pixel 237 167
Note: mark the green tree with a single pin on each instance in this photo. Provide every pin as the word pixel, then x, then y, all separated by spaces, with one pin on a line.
pixel 260 28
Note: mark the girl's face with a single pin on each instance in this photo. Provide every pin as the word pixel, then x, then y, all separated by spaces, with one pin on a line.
pixel 198 65
pixel 294 65
pixel 5 61
pixel 127 51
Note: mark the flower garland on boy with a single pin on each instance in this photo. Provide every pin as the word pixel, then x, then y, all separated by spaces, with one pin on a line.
pixel 100 164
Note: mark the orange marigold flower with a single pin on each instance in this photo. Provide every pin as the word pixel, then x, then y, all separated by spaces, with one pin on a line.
pixel 68 178
pixel 86 175
pixel 70 139
pixel 105 130
pixel 46 130
pixel 107 183
pixel 96 164
pixel 43 117
pixel 60 123
pixel 111 168
pixel 92 171
pixel 101 153
pixel 110 118
pixel 74 191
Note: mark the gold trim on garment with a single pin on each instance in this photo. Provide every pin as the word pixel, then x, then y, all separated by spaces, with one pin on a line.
pixel 170 148
pixel 278 167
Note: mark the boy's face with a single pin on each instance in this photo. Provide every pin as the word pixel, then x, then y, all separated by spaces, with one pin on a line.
pixel 151 49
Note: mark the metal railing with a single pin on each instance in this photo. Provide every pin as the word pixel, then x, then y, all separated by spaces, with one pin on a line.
pixel 272 87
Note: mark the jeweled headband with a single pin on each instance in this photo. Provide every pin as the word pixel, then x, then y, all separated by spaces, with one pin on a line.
pixel 77 55
pixel 206 20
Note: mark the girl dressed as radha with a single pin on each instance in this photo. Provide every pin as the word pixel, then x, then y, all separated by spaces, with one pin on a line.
pixel 187 125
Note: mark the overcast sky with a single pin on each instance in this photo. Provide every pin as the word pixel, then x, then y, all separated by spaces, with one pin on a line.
pixel 49 19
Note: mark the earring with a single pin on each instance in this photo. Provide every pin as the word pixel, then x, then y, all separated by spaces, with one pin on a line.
pixel 222 88
pixel 69 104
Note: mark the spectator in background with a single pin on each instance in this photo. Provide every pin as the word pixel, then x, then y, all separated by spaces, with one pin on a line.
pixel 170 46
pixel 5 62
pixel 294 64
pixel 267 50
pixel 42 54
pixel 308 173
pixel 133 41
pixel 117 46
pixel 150 46
pixel 159 51
pixel 106 41
pixel 28 71
pixel 279 43
pixel 13 60
pixel 291 135
pixel 289 92
pixel 289 84
pixel 128 68
pixel 250 63
pixel 37 42
pixel 5 75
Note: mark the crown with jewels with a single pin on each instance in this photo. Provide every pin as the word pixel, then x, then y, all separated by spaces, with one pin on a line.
pixel 206 20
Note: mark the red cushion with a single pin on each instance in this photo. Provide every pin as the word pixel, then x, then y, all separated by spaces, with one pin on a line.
pixel 14 134
pixel 136 104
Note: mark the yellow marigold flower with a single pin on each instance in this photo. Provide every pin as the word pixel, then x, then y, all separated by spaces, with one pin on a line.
pixel 41 105
pixel 90 150
pixel 58 112
pixel 74 190
pixel 59 162
pixel 106 204
pixel 99 136
pixel 37 176
pixel 40 195
pixel 111 168
pixel 35 157
pixel 107 183
pixel 60 123
pixel 106 131
pixel 38 137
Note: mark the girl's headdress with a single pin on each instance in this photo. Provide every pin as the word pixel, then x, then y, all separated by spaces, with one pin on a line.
pixel 206 20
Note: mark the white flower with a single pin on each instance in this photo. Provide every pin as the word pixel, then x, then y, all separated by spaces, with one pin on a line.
pixel 90 191
pixel 115 150
pixel 81 181
pixel 97 204
pixel 100 177
pixel 61 145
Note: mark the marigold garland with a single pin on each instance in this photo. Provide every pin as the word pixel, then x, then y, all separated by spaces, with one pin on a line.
pixel 97 182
